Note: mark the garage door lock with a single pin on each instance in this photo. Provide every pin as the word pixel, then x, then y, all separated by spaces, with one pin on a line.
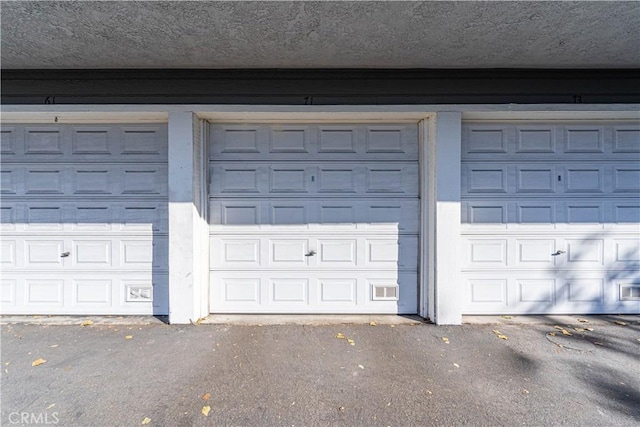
pixel 65 254
pixel 310 253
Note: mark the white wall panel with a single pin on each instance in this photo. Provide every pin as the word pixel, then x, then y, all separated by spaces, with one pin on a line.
pixel 7 140
pixel 333 291
pixel 8 292
pixel 485 139
pixel 626 139
pixel 8 253
pixel 483 291
pixel 336 139
pixel 93 253
pixel 244 290
pixel 43 141
pixel 239 140
pixel 144 141
pixel 627 252
pixel 289 139
pixel 535 139
pixel 536 291
pixel 627 179
pixel 289 291
pixel 7 218
pixel 584 139
pixel 92 291
pixel 535 253
pixel 9 181
pixel 44 291
pixel 535 179
pixel 337 179
pixel 585 290
pixel 90 141
pixel 584 179
pixel 536 213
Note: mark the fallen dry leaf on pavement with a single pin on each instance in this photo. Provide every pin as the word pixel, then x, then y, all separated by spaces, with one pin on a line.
pixel 372 323
pixel 500 335
pixel 50 406
pixel 87 323
pixel 206 396
pixel 38 362
pixel 563 330
pixel 146 421
pixel 341 408
pixel 53 346
pixel 128 337
pixel 340 336
pixel 456 365
pixel 553 334
pixel 350 341
pixel 360 366
pixel 205 410
pixel 506 317
pixel 620 322
pixel 446 340
pixel 583 320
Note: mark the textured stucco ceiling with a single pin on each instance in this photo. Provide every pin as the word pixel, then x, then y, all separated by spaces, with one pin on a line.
pixel 53 35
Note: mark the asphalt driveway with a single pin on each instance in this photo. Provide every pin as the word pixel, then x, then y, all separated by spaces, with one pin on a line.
pixel 140 371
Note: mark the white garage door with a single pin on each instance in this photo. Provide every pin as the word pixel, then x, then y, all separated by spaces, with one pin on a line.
pixel 551 218
pixel 84 219
pixel 314 218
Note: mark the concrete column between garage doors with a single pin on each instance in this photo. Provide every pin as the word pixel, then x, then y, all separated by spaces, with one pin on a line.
pixel 440 288
pixel 188 236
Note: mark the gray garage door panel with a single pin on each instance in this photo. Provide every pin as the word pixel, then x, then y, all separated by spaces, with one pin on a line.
pixel 551 218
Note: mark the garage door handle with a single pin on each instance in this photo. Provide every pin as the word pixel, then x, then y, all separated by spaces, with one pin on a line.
pixel 558 252
pixel 310 253
pixel 65 254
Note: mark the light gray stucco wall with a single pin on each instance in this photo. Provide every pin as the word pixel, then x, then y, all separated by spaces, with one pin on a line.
pixel 522 34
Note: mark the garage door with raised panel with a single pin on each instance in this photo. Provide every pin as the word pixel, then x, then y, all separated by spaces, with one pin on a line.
pixel 551 217
pixel 84 219
pixel 314 218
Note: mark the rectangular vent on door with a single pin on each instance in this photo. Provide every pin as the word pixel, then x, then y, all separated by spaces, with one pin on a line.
pixel 139 293
pixel 385 293
pixel 630 292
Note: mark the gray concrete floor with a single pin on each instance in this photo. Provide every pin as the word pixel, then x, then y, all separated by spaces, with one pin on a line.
pixel 400 372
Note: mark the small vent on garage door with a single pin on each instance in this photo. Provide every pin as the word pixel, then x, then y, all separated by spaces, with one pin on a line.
pixel 139 293
pixel 630 292
pixel 385 293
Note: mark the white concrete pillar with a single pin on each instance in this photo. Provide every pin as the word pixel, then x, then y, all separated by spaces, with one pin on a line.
pixel 444 147
pixel 188 272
